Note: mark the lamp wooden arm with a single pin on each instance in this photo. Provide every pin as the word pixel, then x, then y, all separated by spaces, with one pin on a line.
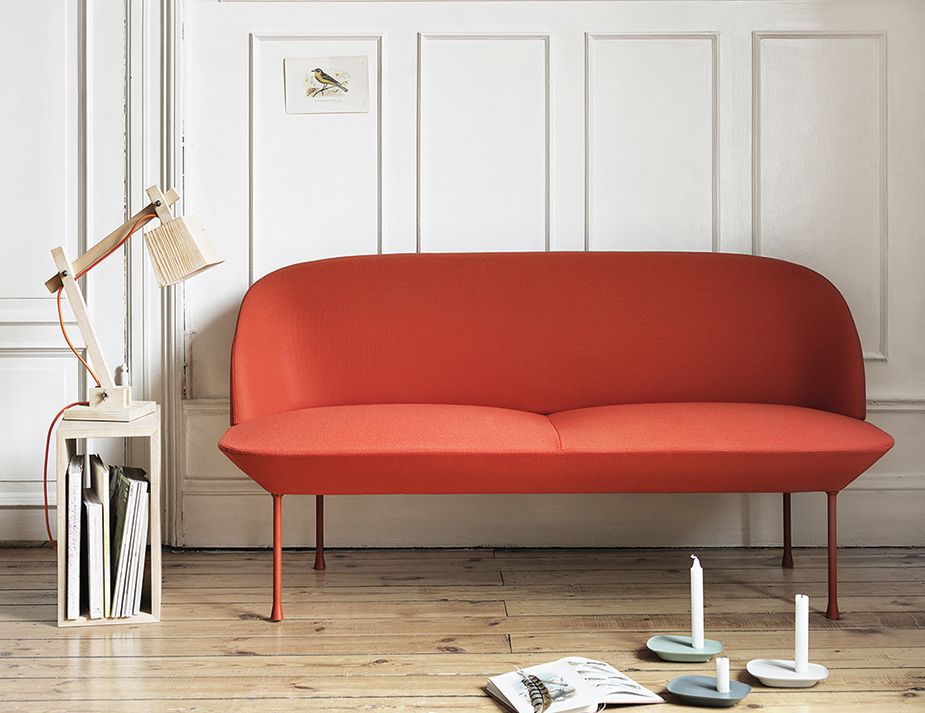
pixel 106 244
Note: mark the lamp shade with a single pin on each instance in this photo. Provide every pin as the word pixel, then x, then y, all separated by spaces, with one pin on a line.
pixel 180 249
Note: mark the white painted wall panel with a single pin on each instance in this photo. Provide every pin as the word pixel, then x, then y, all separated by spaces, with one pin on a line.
pixel 652 120
pixel 62 152
pixel 820 174
pixel 483 127
pixel 36 152
pixel 35 382
pixel 315 177
pixel 648 126
pixel 38 126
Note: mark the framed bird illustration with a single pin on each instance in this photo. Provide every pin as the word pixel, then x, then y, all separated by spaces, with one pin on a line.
pixel 326 85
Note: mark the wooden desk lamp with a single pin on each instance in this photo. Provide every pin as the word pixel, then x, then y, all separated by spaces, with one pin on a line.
pixel 179 249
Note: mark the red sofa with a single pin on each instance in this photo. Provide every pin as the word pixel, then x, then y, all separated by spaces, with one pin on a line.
pixel 548 373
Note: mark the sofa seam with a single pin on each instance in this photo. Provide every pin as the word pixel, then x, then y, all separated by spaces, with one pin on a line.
pixel 558 435
pixel 382 454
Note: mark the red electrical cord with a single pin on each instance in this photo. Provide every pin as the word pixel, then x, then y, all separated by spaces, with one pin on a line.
pixel 70 344
pixel 51 427
pixel 137 224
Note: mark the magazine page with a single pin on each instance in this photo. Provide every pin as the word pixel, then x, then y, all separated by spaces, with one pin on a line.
pixel 554 687
pixel 611 686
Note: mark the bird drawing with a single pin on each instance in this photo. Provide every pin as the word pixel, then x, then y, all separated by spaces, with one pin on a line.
pixel 327 80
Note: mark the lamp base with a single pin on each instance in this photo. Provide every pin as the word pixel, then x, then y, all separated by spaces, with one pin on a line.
pixel 136 409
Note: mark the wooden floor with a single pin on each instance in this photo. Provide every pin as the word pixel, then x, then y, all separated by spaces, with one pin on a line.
pixel 390 630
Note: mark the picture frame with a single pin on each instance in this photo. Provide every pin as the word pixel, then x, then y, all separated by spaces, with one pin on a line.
pixel 326 85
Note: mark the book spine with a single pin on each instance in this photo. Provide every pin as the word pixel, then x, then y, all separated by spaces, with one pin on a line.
pixel 118 595
pixel 138 493
pixel 142 546
pixel 94 549
pixel 101 486
pixel 74 507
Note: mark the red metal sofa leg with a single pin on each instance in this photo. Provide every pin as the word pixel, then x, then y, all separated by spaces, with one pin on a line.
pixel 319 532
pixel 787 559
pixel 277 613
pixel 832 610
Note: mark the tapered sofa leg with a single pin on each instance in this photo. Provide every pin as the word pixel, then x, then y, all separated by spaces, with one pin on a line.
pixel 319 532
pixel 787 559
pixel 277 613
pixel 831 611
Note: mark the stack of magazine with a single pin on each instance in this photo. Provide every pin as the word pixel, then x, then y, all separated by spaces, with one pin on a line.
pixel 107 536
pixel 570 685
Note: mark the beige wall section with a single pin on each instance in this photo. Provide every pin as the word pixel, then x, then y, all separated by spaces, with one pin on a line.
pixel 790 129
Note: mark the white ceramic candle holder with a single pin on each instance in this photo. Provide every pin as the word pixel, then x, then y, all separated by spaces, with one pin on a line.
pixel 776 673
pixel 799 673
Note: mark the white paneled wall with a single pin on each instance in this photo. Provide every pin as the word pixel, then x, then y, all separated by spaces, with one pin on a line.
pixel 652 170
pixel 316 213
pixel 820 177
pixel 711 126
pixel 790 129
pixel 483 142
pixel 37 182
pixel 61 180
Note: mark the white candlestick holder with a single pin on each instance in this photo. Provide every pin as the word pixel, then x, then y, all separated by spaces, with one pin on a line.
pixel 799 673
pixel 778 673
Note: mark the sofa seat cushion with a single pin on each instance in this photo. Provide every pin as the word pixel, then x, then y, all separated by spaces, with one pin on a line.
pixel 435 448
pixel 724 447
pixel 385 448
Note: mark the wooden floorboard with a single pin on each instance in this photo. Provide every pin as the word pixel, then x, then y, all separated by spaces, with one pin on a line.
pixel 421 630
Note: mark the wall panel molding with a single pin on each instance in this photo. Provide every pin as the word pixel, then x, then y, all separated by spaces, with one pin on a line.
pixel 713 38
pixel 23 487
pixel 27 493
pixel 908 405
pixel 758 37
pixel 422 39
pixel 39 308
pixel 47 190
pixel 255 40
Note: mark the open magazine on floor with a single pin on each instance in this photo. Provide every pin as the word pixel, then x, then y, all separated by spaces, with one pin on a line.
pixel 570 685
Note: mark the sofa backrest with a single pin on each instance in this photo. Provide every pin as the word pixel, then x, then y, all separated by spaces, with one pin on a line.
pixel 545 332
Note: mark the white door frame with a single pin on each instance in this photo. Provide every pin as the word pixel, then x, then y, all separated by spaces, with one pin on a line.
pixel 154 153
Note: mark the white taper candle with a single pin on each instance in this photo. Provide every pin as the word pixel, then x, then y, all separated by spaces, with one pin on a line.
pixel 696 604
pixel 801 647
pixel 722 674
